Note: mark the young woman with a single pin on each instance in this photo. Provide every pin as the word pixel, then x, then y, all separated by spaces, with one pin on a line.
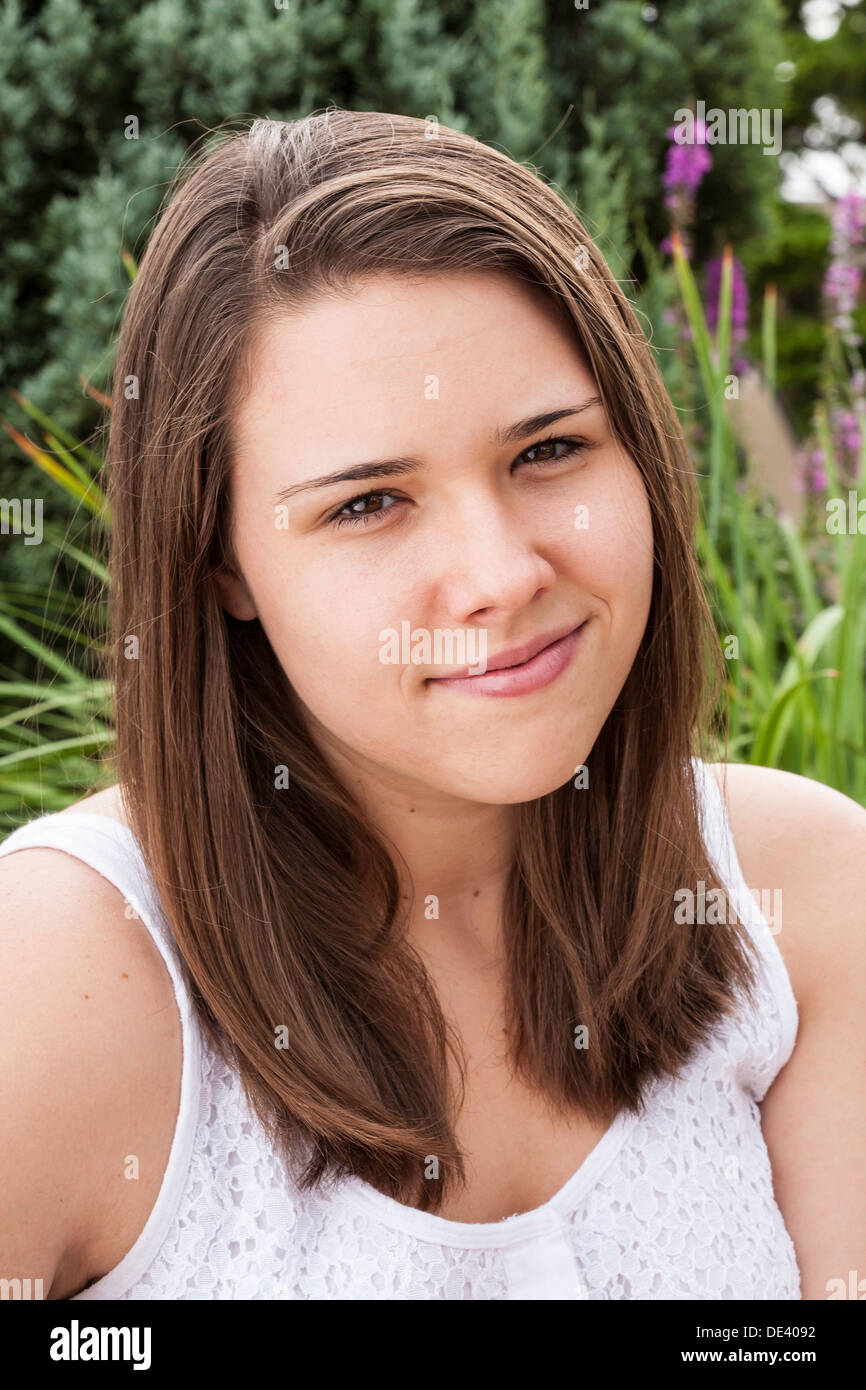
pixel 413 953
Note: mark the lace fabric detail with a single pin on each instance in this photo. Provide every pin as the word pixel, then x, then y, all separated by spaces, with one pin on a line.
pixel 675 1203
pixel 684 1211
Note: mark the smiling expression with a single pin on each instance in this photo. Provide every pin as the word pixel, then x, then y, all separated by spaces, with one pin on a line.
pixel 426 456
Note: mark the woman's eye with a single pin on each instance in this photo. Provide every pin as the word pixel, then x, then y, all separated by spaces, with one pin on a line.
pixel 354 513
pixel 570 446
pixel 349 515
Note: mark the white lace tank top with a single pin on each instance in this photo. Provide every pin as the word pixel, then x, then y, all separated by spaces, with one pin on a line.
pixel 676 1203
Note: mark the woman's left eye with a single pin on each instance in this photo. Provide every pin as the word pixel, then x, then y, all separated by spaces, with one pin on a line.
pixel 349 514
pixel 570 447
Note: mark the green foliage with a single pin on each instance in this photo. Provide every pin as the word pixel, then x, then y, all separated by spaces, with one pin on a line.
pixel 640 73
pixel 794 603
pixel 833 65
pixel 74 190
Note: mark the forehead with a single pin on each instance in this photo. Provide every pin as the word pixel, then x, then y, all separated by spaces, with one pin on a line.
pixel 396 344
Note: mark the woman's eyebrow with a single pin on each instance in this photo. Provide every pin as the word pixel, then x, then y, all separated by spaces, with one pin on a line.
pixel 388 468
pixel 533 423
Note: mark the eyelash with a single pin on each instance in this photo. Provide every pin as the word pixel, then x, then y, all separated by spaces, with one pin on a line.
pixel 576 446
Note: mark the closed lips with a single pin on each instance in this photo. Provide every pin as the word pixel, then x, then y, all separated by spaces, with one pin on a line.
pixel 517 656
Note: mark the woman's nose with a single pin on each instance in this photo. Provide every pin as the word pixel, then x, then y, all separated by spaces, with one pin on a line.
pixel 492 562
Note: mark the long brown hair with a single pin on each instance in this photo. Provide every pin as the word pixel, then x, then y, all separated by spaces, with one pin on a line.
pixel 284 903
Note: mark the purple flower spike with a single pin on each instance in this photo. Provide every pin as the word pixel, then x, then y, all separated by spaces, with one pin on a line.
pixel 844 276
pixel 686 166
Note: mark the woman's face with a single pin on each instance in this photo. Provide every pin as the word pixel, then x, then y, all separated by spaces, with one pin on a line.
pixel 475 527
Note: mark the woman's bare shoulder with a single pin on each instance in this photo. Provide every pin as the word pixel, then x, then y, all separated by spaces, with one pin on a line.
pixel 92 1038
pixel 806 842
pixel 809 841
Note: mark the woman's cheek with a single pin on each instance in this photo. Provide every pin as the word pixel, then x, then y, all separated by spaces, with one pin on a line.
pixel 616 541
pixel 332 660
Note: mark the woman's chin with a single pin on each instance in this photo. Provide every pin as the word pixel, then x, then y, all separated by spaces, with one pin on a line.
pixel 512 789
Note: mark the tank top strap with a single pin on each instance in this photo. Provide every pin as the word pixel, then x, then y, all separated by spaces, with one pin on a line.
pixel 113 851
pixel 782 1020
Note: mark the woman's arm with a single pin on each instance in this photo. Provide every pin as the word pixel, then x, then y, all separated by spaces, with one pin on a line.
pixel 809 841
pixel 89 1074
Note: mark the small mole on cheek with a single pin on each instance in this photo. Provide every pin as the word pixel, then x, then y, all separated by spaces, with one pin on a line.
pixel 411 810
pixel 87 996
pixel 123 975
pixel 477 891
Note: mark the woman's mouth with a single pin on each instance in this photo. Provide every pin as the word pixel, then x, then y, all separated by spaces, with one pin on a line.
pixel 540 671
